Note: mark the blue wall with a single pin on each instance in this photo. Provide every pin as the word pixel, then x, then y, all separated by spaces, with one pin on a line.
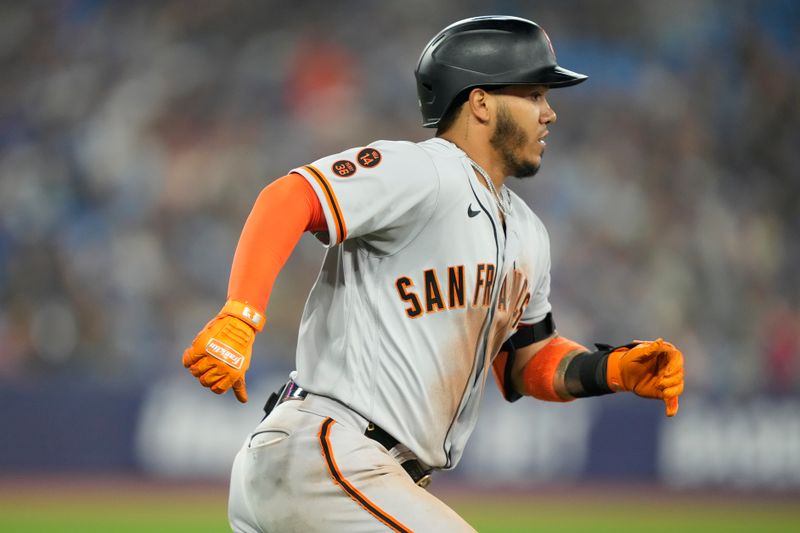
pixel 176 429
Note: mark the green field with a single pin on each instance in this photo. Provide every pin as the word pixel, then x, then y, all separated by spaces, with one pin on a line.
pixel 123 506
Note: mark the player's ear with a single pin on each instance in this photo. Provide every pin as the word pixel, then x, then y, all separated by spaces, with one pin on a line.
pixel 479 105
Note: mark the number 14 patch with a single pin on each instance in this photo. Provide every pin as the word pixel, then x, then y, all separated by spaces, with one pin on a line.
pixel 369 157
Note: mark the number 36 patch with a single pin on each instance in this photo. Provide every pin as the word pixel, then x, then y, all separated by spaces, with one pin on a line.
pixel 344 168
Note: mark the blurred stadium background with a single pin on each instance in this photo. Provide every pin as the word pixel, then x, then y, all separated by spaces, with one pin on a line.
pixel 134 137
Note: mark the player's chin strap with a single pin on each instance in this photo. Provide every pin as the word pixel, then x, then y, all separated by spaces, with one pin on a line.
pixel 412 466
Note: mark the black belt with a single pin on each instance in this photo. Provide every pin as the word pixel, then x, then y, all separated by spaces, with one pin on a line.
pixel 291 391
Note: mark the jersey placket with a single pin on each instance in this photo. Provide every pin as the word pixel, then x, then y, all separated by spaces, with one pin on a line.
pixel 491 209
pixel 473 388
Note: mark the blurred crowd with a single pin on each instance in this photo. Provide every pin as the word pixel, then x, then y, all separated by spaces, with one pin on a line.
pixel 134 137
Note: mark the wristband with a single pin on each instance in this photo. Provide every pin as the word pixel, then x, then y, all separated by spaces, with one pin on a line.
pixel 245 312
pixel 594 373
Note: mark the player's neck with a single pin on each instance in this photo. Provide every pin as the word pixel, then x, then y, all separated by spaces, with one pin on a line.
pixel 481 152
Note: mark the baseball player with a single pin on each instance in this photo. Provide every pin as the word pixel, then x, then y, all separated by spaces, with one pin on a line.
pixel 435 273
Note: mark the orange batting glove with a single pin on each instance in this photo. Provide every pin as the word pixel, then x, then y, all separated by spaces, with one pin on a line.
pixel 651 369
pixel 220 354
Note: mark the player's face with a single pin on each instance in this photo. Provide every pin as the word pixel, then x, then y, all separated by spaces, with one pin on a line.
pixel 520 128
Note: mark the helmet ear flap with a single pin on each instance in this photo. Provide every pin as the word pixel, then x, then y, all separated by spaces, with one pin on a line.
pixel 425 89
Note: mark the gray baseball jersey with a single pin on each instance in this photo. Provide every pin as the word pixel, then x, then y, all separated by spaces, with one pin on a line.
pixel 421 285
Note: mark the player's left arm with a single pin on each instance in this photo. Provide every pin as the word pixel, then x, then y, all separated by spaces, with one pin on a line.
pixel 558 369
pixel 536 361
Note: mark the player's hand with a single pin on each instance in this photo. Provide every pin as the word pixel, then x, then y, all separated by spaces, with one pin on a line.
pixel 652 369
pixel 219 355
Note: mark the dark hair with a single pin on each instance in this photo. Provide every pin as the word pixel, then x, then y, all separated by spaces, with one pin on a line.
pixel 450 116
pixel 454 110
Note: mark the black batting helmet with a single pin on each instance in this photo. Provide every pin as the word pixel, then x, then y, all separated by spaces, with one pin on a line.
pixel 491 51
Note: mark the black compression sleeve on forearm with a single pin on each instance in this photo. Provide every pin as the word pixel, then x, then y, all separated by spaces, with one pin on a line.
pixel 586 373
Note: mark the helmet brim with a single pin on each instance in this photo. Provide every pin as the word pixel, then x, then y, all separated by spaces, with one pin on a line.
pixel 559 77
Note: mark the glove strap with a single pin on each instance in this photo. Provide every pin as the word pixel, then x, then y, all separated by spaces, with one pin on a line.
pixel 614 372
pixel 245 312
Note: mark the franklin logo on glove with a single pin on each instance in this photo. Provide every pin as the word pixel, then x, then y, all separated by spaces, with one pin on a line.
pixel 225 353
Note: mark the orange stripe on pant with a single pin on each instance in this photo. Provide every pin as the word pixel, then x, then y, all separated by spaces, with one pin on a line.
pixel 332 203
pixel 350 490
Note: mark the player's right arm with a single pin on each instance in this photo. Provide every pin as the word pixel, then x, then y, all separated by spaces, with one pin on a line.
pixel 359 193
pixel 219 355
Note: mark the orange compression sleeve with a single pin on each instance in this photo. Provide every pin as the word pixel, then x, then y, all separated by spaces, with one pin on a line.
pixel 282 212
pixel 539 374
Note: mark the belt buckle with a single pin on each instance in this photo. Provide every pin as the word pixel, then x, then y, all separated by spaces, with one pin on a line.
pixel 419 475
